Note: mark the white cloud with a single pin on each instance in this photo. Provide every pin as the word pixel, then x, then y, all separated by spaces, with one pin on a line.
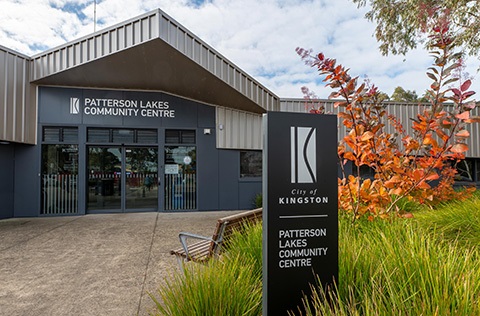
pixel 258 36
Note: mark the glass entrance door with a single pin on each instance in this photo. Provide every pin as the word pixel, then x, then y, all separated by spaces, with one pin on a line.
pixel 141 169
pixel 104 178
pixel 122 178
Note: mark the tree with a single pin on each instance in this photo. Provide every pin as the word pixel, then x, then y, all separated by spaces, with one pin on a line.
pixel 402 95
pixel 402 24
pixel 404 164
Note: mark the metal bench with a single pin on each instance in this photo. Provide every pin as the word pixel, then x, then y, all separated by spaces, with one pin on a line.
pixel 210 247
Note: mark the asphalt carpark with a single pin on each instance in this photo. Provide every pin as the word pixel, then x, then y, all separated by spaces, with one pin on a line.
pixel 102 264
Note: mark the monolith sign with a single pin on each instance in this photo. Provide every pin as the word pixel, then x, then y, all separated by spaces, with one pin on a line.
pixel 300 221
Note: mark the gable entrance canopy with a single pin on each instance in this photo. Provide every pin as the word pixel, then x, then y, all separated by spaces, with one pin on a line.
pixel 152 52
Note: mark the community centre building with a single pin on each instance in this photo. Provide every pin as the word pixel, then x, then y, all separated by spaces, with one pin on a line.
pixel 141 116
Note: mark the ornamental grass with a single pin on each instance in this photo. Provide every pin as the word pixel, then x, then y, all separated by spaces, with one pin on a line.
pixel 425 265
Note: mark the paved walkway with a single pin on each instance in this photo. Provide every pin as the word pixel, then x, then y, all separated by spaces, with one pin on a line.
pixel 92 264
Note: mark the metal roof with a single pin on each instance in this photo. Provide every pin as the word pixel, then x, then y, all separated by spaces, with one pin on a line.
pixel 152 52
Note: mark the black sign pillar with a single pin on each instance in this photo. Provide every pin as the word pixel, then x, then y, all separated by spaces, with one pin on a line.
pixel 300 219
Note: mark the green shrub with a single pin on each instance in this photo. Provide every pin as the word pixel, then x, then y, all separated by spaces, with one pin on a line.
pixel 258 200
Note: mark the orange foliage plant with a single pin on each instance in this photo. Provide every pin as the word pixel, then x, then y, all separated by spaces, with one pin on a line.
pixel 404 164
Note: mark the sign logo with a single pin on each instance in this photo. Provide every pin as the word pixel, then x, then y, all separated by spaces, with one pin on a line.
pixel 303 154
pixel 74 105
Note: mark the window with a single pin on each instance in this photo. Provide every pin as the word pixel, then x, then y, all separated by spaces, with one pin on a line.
pixel 59 178
pixel 60 135
pixel 465 171
pixel 250 164
pixel 477 169
pixel 122 136
pixel 173 136
pixel 147 136
pixel 365 172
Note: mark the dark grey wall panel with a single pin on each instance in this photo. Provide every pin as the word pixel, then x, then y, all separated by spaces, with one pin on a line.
pixel 54 106
pixel 207 171
pixel 186 112
pixel 7 183
pixel 27 181
pixel 247 192
pixel 229 172
pixel 206 117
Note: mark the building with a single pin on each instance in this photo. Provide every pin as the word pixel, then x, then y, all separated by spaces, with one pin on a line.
pixel 141 116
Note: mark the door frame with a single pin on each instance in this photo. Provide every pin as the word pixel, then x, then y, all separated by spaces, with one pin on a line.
pixel 123 177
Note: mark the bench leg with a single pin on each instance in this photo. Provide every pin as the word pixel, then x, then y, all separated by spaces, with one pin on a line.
pixel 180 262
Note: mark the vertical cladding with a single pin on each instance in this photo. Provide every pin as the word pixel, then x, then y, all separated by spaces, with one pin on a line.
pixel 203 56
pixel 121 38
pixel 197 49
pixel 218 66
pixel 15 120
pixel 129 35
pixel 99 47
pixel 77 54
pixel 404 112
pixel 91 48
pixel 189 46
pixel 137 32
pixel 239 129
pixel 95 46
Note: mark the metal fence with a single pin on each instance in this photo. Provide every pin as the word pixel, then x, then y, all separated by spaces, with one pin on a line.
pixel 180 192
pixel 60 194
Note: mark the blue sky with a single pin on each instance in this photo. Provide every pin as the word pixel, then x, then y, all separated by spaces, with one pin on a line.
pixel 258 36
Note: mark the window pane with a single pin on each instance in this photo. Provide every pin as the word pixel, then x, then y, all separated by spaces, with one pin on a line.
pixel 59 179
pixel 123 136
pixel 147 136
pixel 477 162
pixel 250 164
pixel 98 135
pixel 172 136
pixel 51 134
pixel 179 136
pixel 188 137
pixel 70 135
pixel 464 170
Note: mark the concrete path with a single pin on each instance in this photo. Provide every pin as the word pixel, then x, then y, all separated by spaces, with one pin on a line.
pixel 90 265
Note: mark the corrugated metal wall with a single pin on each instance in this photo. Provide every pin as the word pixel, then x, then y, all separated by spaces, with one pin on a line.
pixel 18 114
pixel 180 38
pixel 155 24
pixel 403 111
pixel 97 45
pixel 238 129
